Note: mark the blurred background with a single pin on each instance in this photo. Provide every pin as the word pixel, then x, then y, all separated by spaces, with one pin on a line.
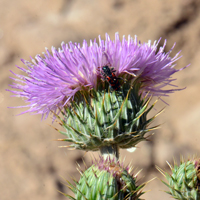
pixel 31 164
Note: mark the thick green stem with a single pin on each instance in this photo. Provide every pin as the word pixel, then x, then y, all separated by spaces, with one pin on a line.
pixel 111 151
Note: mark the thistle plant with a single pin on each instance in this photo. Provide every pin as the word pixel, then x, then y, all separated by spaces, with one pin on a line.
pixel 101 95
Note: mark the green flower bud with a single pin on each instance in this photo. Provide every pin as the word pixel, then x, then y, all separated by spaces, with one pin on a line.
pixel 108 180
pixel 184 182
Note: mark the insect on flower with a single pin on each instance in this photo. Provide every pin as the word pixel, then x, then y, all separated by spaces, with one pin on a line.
pixel 53 80
pixel 110 76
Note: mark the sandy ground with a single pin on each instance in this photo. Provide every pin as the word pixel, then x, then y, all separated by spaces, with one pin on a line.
pixel 32 166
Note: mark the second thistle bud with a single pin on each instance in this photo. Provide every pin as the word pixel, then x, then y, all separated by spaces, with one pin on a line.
pixel 106 179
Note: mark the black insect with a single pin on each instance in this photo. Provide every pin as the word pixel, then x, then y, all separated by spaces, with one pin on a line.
pixel 110 76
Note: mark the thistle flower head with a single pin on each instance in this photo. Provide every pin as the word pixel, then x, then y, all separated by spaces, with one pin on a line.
pixel 53 80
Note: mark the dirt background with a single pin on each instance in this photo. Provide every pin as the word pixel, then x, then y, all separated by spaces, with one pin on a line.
pixel 31 164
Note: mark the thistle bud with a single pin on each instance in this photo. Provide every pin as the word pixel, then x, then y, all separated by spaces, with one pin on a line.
pixel 106 179
pixel 184 182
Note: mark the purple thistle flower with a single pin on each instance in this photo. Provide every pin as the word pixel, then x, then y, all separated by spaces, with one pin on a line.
pixel 53 80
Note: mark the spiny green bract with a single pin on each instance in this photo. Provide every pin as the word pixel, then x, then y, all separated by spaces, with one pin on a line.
pixel 106 180
pixel 183 183
pixel 104 118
